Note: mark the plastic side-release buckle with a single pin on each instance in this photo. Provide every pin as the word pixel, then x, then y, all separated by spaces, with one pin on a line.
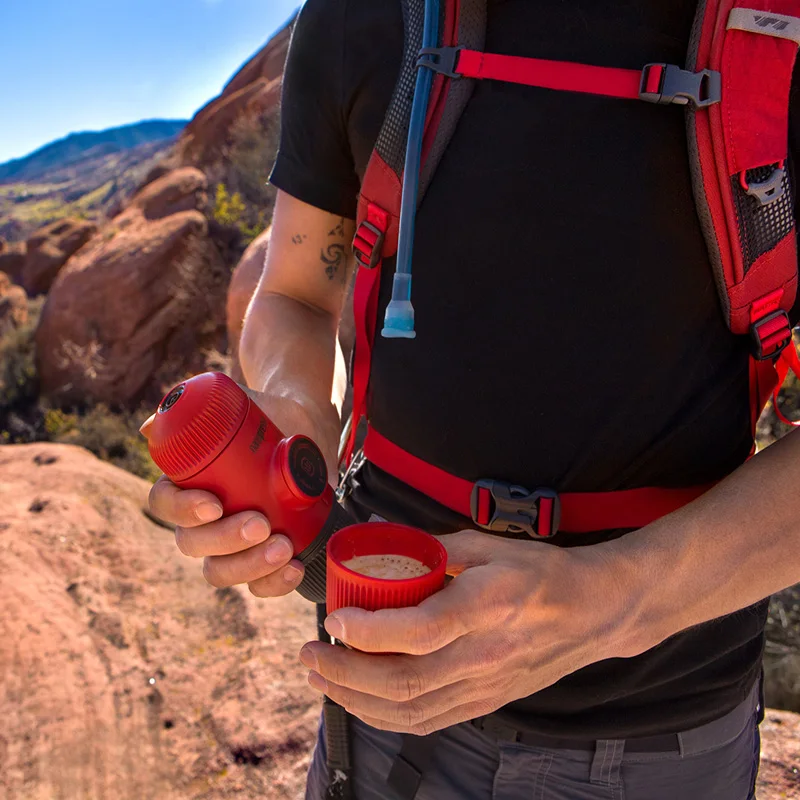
pixel 442 60
pixel 504 508
pixel 368 245
pixel 666 84
pixel 768 190
pixel 771 334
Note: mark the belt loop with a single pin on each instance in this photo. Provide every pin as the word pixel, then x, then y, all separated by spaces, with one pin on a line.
pixel 607 762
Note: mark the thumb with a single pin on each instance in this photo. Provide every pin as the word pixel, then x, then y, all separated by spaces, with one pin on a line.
pixel 467 549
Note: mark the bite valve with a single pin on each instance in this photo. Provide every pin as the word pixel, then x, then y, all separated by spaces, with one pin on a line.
pixel 209 434
pixel 399 319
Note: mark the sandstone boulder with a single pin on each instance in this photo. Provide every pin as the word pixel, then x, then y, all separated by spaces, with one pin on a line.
pixel 12 260
pixel 139 306
pixel 13 305
pixel 125 675
pixel 180 190
pixel 50 248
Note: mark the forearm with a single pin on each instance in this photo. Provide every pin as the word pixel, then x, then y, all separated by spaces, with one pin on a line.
pixel 732 547
pixel 288 351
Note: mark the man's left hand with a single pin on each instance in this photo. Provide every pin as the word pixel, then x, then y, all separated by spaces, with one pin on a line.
pixel 517 617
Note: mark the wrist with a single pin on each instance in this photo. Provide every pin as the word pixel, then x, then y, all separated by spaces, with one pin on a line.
pixel 615 593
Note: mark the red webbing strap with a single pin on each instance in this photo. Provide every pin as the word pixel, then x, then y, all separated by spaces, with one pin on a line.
pixel 787 361
pixel 580 513
pixel 365 312
pixel 560 75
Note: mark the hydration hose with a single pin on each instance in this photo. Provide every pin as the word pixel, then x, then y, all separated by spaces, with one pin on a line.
pixel 399 320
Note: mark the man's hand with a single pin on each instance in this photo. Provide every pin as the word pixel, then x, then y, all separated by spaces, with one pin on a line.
pixel 240 548
pixel 518 617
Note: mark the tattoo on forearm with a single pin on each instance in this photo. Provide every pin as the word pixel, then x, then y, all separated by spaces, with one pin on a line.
pixel 333 258
pixel 339 229
pixel 299 238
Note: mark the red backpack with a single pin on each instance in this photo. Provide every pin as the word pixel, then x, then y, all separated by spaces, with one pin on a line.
pixel 735 90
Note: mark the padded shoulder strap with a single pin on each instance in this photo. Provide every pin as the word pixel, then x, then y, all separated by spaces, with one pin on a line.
pixel 464 23
pixel 738 153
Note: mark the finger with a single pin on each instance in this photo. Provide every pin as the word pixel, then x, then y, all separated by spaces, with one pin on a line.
pixel 468 549
pixel 398 678
pixel 249 565
pixel 412 713
pixel 418 630
pixel 228 535
pixel 280 582
pixel 186 507
pixel 455 716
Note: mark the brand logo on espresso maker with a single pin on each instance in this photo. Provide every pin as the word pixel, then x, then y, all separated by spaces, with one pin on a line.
pixel 171 399
pixel 258 439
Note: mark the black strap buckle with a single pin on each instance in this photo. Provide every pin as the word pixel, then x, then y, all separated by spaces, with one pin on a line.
pixel 681 87
pixel 504 508
pixel 770 189
pixel 761 337
pixel 368 253
pixel 442 60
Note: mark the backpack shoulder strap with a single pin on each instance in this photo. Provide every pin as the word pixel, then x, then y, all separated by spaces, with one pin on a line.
pixel 464 22
pixel 739 153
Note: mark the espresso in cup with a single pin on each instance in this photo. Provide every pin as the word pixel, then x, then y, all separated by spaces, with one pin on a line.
pixel 388 567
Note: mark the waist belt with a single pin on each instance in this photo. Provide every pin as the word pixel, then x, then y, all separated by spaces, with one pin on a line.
pixel 541 513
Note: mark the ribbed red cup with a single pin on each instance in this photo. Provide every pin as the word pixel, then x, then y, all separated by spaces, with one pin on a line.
pixel 347 588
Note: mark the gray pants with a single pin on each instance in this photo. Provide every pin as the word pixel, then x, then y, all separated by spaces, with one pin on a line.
pixel 716 762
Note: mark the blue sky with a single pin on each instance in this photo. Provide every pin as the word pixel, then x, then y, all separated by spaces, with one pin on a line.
pixel 91 64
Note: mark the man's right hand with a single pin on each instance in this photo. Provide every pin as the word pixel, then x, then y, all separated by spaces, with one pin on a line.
pixel 236 549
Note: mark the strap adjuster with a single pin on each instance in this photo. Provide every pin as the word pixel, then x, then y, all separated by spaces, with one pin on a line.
pixel 771 334
pixel 667 84
pixel 368 245
pixel 505 508
pixel 442 60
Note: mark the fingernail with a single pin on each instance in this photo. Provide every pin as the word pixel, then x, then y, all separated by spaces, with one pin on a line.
pixel 208 512
pixel 309 658
pixel 278 550
pixel 255 530
pixel 334 628
pixel 317 682
pixel 291 574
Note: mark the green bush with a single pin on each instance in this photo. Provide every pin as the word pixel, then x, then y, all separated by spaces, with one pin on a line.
pixel 19 384
pixel 111 435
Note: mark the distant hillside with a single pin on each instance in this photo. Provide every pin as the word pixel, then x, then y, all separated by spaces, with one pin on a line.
pixel 94 188
pixel 49 162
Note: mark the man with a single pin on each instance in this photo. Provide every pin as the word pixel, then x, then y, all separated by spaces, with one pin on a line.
pixel 568 335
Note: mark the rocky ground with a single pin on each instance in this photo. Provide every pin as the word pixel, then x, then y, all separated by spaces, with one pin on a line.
pixel 126 677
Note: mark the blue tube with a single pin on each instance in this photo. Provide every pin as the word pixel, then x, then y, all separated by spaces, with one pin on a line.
pixel 399 319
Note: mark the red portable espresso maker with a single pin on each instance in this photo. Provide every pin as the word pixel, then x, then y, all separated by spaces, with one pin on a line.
pixel 208 434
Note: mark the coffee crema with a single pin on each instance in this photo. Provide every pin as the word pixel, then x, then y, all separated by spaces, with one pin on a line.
pixel 388 567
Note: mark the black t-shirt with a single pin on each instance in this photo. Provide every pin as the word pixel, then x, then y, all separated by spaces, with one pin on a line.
pixel 569 332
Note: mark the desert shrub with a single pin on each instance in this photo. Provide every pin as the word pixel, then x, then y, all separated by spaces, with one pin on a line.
pixel 112 435
pixel 19 384
pixel 244 199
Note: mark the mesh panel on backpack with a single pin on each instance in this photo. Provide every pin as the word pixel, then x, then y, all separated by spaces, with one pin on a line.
pixel 471 34
pixel 762 227
pixel 391 143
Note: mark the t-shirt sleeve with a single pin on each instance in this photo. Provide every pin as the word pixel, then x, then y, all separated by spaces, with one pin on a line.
pixel 314 161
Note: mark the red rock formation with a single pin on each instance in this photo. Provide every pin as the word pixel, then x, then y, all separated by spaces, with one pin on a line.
pixel 12 259
pixel 50 248
pixel 140 304
pixel 125 675
pixel 13 305
pixel 254 90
